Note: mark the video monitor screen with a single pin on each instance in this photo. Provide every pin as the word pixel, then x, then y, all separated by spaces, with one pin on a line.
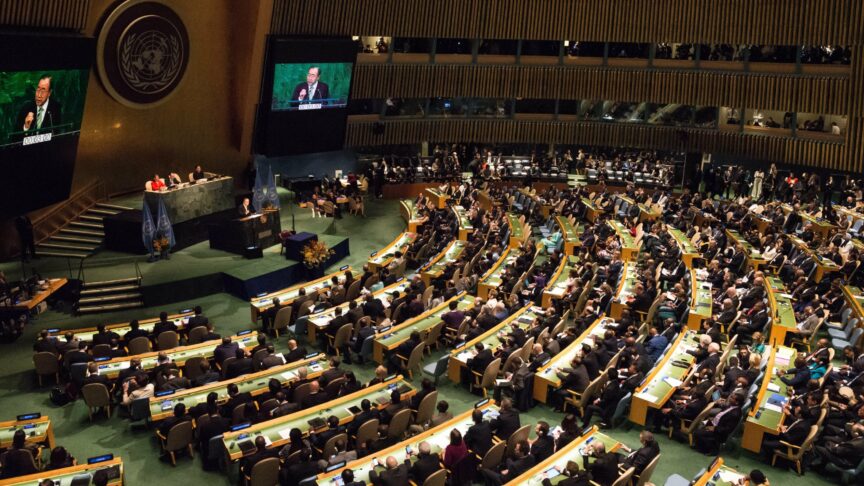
pixel 311 86
pixel 304 95
pixel 43 91
pixel 37 106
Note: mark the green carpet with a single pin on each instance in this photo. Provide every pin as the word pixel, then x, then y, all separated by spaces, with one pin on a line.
pixel 140 451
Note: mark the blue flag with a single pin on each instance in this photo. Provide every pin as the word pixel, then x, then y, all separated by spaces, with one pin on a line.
pixel 272 195
pixel 258 194
pixel 148 229
pixel 163 225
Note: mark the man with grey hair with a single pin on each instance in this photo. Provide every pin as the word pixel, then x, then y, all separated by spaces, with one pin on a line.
pixel 395 475
pixel 427 463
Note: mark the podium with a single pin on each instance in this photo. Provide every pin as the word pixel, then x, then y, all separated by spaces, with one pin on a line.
pixel 260 230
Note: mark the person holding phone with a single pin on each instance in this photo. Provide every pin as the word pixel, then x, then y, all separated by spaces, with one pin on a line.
pixel 395 474
pixel 427 462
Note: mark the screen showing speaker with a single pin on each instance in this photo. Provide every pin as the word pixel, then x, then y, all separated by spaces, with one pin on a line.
pixel 304 96
pixel 43 90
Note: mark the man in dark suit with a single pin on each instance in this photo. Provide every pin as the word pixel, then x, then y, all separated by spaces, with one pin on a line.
pixel 481 360
pixel 163 325
pixel 331 373
pixel 478 438
pixel 312 91
pixel 295 352
pixel 77 356
pixel 395 475
pixel 245 208
pixel 366 413
pixel 42 112
pixel 427 463
pixel 573 378
pixel 317 396
pixel 93 376
pixel 544 445
pixel 268 317
pixel 261 453
pixel 228 349
pixel 134 332
pixel 373 307
pixel 801 375
pixel 512 468
pixel 235 399
pixel 640 458
pixel 208 375
pixel 794 431
pixel 179 417
pixel 395 362
pixel 197 320
pixel 604 470
pixel 507 421
pixel 46 343
pixel 709 438
pixel 104 336
pixel 272 359
pixel 243 365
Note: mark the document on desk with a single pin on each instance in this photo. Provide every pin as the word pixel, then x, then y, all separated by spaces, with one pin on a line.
pixel 773 408
pixel 773 387
pixel 289 375
pixel 285 433
pixel 674 383
pixel 647 397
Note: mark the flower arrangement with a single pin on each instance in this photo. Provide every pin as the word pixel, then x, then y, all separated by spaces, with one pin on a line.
pixel 316 253
pixel 160 243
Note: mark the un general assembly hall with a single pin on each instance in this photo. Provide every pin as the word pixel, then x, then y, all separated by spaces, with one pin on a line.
pixel 431 242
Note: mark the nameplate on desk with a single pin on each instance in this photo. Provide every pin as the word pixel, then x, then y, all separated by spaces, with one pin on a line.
pixel 29 416
pixel 34 139
pixel 310 106
pixel 243 333
pixel 102 458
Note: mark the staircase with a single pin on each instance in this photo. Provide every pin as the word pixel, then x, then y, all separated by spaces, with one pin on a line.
pixel 81 236
pixel 111 295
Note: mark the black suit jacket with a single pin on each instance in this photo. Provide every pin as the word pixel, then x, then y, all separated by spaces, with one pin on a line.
pixel 424 467
pixel 641 458
pixel 506 423
pixel 398 476
pixel 296 355
pixel 480 362
pixel 479 438
pixel 322 91
pixel 240 367
pixel 605 469
pixel 53 116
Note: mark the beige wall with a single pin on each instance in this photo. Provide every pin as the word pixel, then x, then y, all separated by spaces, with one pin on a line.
pixel 207 120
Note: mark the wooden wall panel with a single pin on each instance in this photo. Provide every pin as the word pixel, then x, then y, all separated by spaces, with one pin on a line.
pixel 752 147
pixel 780 22
pixel 808 94
pixel 48 14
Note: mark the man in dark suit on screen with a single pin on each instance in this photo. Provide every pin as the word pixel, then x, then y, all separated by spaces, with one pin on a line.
pixel 312 90
pixel 43 112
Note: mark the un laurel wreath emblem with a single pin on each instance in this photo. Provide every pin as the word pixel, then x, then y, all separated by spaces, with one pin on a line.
pixel 143 52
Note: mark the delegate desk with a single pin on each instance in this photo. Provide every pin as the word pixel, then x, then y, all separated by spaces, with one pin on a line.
pixel 855 299
pixel 490 339
pixel 518 233
pixel 761 221
pixel 318 322
pixel 701 301
pixel 688 250
pixel 486 202
pixel 557 286
pixel 188 201
pixel 179 355
pixel 383 257
pixel 409 212
pixel 821 226
pixel 86 333
pixel 646 213
pixel 276 431
pixel 851 214
pixel 435 268
pixel 719 474
pixel 492 278
pixel 754 256
pixel 162 405
pixel 767 414
pixel 65 475
pixel 437 437
pixel 665 378
pixel 545 378
pixel 45 290
pixel 824 266
pixel 570 234
pixel 626 288
pixel 389 341
pixel 591 211
pixel 287 296
pixel 629 248
pixel 782 314
pixel 38 430
pixel 438 197
pixel 465 226
pixel 574 451
pixel 259 230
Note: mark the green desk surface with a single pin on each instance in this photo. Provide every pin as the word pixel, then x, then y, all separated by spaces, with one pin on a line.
pixel 558 287
pixel 570 233
pixel 250 383
pixel 627 240
pixel 64 476
pixel 588 203
pixel 684 243
pixel 494 337
pixel 770 415
pixel 462 216
pixel 289 294
pixel 574 451
pixel 30 428
pixel 277 430
pixel 784 313
pixel 423 322
pixel 752 252
pixel 86 334
pixel 562 359
pixel 410 210
pixel 628 283
pixel 179 355
pixel 802 245
pixel 516 229
pixel 659 386
pixel 382 256
pixel 438 438
pixel 702 300
pixel 450 254
pixel 493 277
pixel 321 319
